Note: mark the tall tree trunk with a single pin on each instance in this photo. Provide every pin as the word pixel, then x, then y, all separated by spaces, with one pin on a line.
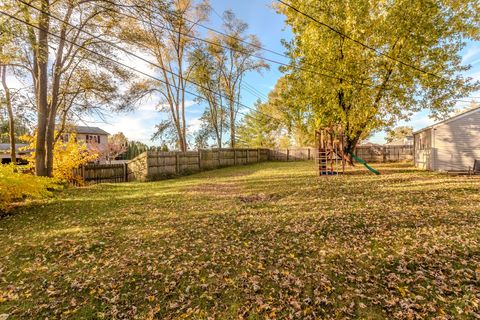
pixel 42 91
pixel 50 141
pixel 232 124
pixel 53 105
pixel 11 120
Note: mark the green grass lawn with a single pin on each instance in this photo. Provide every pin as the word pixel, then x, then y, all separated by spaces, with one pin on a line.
pixel 267 241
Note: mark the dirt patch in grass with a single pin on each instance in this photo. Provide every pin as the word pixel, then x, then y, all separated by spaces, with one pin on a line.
pixel 257 198
pixel 217 189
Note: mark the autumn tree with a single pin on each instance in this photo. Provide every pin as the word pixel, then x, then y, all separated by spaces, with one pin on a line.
pixel 166 31
pixel 60 44
pixel 258 129
pixel 117 145
pixel 21 128
pixel 11 118
pixel 8 56
pixel 233 53
pixel 208 72
pixel 368 64
pixel 399 133
pixel 280 118
pixel 69 154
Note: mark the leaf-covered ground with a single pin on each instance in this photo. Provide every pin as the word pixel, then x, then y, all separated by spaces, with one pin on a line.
pixel 269 241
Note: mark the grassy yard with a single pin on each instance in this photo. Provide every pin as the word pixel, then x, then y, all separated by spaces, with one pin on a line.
pixel 263 241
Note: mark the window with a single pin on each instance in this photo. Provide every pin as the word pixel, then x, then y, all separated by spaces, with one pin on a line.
pixel 92 138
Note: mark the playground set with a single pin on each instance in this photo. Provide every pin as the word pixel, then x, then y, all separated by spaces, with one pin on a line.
pixel 332 154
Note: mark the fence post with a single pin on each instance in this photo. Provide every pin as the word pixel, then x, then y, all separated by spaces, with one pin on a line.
pixel 308 158
pixel 258 155
pixel 248 156
pixel 177 164
pixel 125 171
pixel 288 155
pixel 234 156
pixel 384 150
pixel 199 159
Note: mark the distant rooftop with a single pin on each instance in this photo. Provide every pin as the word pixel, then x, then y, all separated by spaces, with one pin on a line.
pixel 90 130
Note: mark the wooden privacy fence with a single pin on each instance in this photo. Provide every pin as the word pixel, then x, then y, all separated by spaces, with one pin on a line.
pixel 385 153
pixel 297 154
pixel 160 165
pixel 150 166
pixel 98 173
pixel 370 153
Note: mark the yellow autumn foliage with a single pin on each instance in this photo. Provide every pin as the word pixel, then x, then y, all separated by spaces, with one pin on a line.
pixel 68 155
pixel 17 186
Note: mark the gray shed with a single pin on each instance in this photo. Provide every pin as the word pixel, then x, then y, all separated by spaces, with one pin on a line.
pixel 450 145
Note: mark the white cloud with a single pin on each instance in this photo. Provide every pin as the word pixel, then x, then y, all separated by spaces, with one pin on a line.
pixel 153 105
pixel 194 125
pixel 138 126
pixel 190 103
pixel 149 106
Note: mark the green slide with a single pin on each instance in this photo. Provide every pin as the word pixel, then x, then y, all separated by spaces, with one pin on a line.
pixel 360 160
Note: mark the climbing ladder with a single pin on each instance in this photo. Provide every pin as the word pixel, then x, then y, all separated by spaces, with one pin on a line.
pixel 330 156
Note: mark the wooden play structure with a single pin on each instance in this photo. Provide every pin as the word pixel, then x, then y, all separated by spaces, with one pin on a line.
pixel 332 155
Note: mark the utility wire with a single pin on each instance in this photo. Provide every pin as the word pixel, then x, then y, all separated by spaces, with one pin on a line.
pixel 251 89
pixel 358 41
pixel 321 74
pixel 130 53
pixel 134 69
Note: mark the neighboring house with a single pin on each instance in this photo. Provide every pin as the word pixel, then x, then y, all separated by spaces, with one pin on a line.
pixel 95 138
pixel 406 141
pixel 21 154
pixel 450 145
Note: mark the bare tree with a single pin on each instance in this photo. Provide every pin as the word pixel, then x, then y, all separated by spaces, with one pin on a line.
pixel 234 54
pixel 208 72
pixel 169 45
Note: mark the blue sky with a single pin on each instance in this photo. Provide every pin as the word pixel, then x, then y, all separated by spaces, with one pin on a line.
pixel 270 28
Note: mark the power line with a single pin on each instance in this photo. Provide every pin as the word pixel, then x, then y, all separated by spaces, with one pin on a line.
pixel 335 76
pixel 131 68
pixel 249 87
pixel 358 41
pixel 254 91
pixel 130 53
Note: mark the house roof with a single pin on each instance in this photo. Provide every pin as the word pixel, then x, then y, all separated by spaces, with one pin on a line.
pixel 455 117
pixel 90 130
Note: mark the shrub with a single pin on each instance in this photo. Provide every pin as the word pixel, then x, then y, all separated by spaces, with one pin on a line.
pixel 17 186
pixel 67 156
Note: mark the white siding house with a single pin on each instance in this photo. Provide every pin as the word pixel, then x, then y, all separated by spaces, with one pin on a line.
pixel 450 145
